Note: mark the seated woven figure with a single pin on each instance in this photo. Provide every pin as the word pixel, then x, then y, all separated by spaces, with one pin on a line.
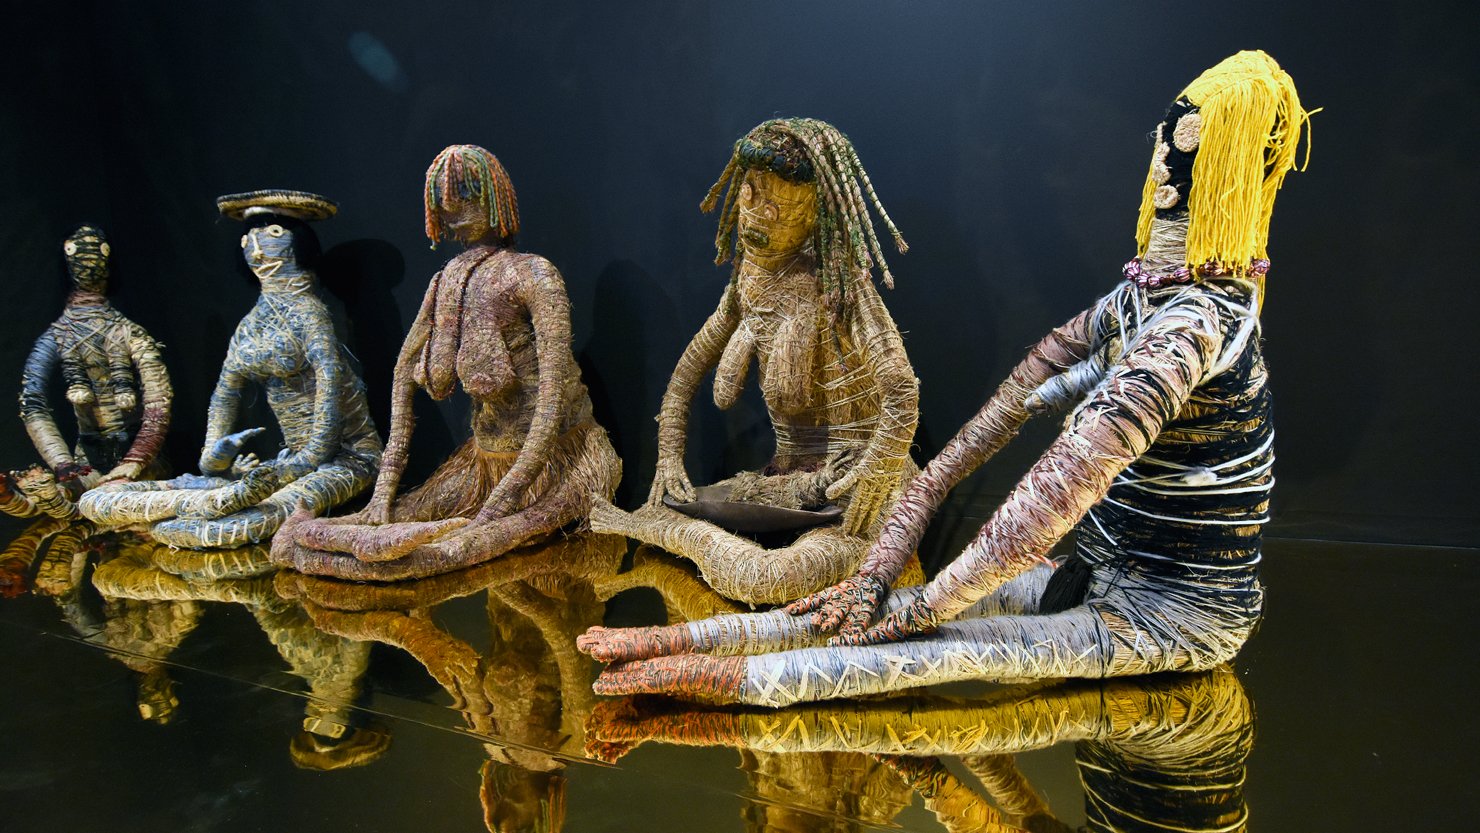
pixel 498 321
pixel 841 395
pixel 1164 464
pixel 116 382
pixel 1167 752
pixel 286 343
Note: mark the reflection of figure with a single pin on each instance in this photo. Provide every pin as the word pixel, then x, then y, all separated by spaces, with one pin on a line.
pixel 286 343
pixel 139 634
pixel 529 691
pixel 1166 457
pixel 333 737
pixel 842 398
pixel 116 383
pixel 1156 753
pixel 498 321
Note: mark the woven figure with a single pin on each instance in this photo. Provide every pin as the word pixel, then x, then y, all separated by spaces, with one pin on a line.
pixel 1164 464
pixel 286 344
pixel 1159 753
pixel 116 383
pixel 838 386
pixel 496 320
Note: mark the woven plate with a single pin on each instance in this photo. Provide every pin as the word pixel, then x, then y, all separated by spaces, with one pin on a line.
pixel 713 505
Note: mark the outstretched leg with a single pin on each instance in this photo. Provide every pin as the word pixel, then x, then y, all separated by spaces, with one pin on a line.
pixel 1074 643
pixel 777 630
pixel 737 567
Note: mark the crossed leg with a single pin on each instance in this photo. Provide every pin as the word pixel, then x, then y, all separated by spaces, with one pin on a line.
pixel 737 567
pixel 318 490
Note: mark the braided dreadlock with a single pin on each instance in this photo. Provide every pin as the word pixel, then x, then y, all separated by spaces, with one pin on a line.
pixel 471 173
pixel 809 150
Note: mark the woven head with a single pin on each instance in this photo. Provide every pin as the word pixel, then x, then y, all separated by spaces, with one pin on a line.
pixel 469 197
pixel 87 251
pixel 274 244
pixel 778 161
pixel 1222 152
pixel 517 800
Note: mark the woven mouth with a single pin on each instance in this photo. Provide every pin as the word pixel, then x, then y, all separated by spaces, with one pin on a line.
pixel 756 237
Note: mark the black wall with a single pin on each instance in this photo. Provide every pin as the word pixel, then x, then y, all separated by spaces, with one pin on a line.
pixel 1009 143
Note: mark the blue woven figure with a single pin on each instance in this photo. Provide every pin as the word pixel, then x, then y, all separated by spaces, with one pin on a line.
pixel 286 344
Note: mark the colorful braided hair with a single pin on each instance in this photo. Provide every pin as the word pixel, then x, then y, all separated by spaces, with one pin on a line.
pixel 808 150
pixel 468 172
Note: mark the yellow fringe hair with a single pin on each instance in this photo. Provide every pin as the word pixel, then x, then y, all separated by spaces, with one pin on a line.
pixel 1251 126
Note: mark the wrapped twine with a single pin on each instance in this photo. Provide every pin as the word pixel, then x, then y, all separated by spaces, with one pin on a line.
pixel 286 344
pixel 496 321
pixel 1164 468
pixel 840 392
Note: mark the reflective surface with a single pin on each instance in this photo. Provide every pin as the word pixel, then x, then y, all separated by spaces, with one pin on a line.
pixel 158 689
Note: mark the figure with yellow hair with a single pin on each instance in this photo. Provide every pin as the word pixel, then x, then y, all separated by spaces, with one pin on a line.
pixel 1163 469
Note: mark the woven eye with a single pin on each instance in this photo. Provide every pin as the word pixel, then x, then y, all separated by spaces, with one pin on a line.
pixel 1188 132
pixel 1166 197
pixel 105 249
pixel 276 230
pixel 69 247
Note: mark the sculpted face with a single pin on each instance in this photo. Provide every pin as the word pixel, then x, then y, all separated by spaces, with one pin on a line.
pixel 86 251
pixel 466 221
pixel 1177 140
pixel 777 217
pixel 267 248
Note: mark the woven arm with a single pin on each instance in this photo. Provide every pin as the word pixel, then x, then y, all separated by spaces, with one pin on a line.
pixel 702 354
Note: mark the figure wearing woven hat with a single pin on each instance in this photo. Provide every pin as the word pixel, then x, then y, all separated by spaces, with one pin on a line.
pixel 842 397
pixel 117 385
pixel 497 320
pixel 1163 464
pixel 286 344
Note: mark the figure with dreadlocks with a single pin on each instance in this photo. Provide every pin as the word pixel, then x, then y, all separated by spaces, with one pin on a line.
pixel 286 344
pixel 497 321
pixel 116 382
pixel 1163 465
pixel 841 395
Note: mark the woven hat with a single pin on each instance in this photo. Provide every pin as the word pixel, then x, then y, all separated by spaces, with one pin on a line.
pixel 299 205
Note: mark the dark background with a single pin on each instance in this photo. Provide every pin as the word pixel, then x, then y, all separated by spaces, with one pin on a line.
pixel 1009 143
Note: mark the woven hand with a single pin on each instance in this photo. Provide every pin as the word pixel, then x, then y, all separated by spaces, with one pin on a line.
pixel 912 620
pixel 670 479
pixel 847 607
